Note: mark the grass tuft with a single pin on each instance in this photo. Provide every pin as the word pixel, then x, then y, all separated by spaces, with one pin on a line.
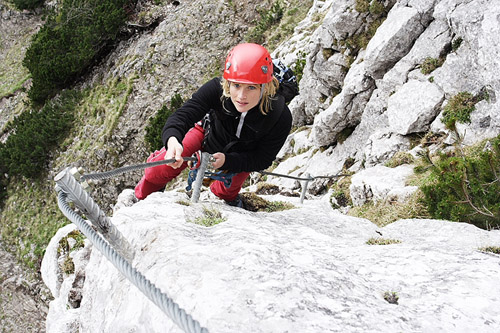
pixel 209 217
pixel 384 213
pixel 492 249
pixel 382 241
pixel 391 297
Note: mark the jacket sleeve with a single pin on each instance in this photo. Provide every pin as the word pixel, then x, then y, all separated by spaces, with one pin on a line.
pixel 192 111
pixel 267 148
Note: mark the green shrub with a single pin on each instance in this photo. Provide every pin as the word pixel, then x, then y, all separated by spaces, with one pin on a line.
pixel 463 185
pixel 377 8
pixel 466 187
pixel 268 18
pixel 456 44
pixel 362 6
pixel 3 184
pixel 156 123
pixel 69 43
pixel 299 65
pixel 458 109
pixel 27 4
pixel 373 7
pixel 34 134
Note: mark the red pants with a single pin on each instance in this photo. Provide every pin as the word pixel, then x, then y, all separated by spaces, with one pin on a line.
pixel 157 177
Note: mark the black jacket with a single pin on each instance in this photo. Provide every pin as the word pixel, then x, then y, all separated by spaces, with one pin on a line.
pixel 261 138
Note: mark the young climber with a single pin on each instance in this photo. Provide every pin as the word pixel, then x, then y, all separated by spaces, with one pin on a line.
pixel 239 118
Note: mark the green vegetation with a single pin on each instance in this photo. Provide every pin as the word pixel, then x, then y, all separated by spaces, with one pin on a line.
pixel 430 64
pixel 268 18
pixel 399 158
pixel 30 205
pixel 362 6
pixel 210 217
pixel 299 65
pixel 156 123
pixel 374 7
pixel 27 4
pixel 491 249
pixel 99 109
pixel 255 203
pixel 68 266
pixel 65 246
pixel 385 212
pixel 341 193
pixel 456 44
pixel 34 134
pixel 69 43
pixel 30 219
pixel 391 297
pixel 458 109
pixel 278 22
pixel 376 14
pixel 463 184
pixel 266 188
pixel 277 206
pixel 12 74
pixel 382 241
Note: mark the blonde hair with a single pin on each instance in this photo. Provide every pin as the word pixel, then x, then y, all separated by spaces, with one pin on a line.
pixel 268 93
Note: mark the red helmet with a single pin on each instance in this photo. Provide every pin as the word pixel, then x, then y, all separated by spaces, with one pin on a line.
pixel 249 63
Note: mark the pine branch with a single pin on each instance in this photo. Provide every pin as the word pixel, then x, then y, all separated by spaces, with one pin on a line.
pixel 469 201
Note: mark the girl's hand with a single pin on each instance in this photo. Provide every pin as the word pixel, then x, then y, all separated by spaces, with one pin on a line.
pixel 174 150
pixel 220 158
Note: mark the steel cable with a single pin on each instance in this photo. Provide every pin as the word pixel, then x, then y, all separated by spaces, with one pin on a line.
pixel 299 178
pixel 153 293
pixel 118 171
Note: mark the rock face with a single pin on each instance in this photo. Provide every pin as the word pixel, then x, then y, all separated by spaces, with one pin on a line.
pixel 23 300
pixel 308 269
pixel 381 183
pixel 383 98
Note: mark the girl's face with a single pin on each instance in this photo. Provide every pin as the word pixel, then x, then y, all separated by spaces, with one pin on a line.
pixel 244 96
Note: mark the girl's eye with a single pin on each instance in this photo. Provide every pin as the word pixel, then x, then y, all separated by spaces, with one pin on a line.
pixel 252 87
pixel 236 85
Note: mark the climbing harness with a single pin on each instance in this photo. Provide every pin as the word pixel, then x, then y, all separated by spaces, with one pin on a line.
pixel 210 176
pixel 70 186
